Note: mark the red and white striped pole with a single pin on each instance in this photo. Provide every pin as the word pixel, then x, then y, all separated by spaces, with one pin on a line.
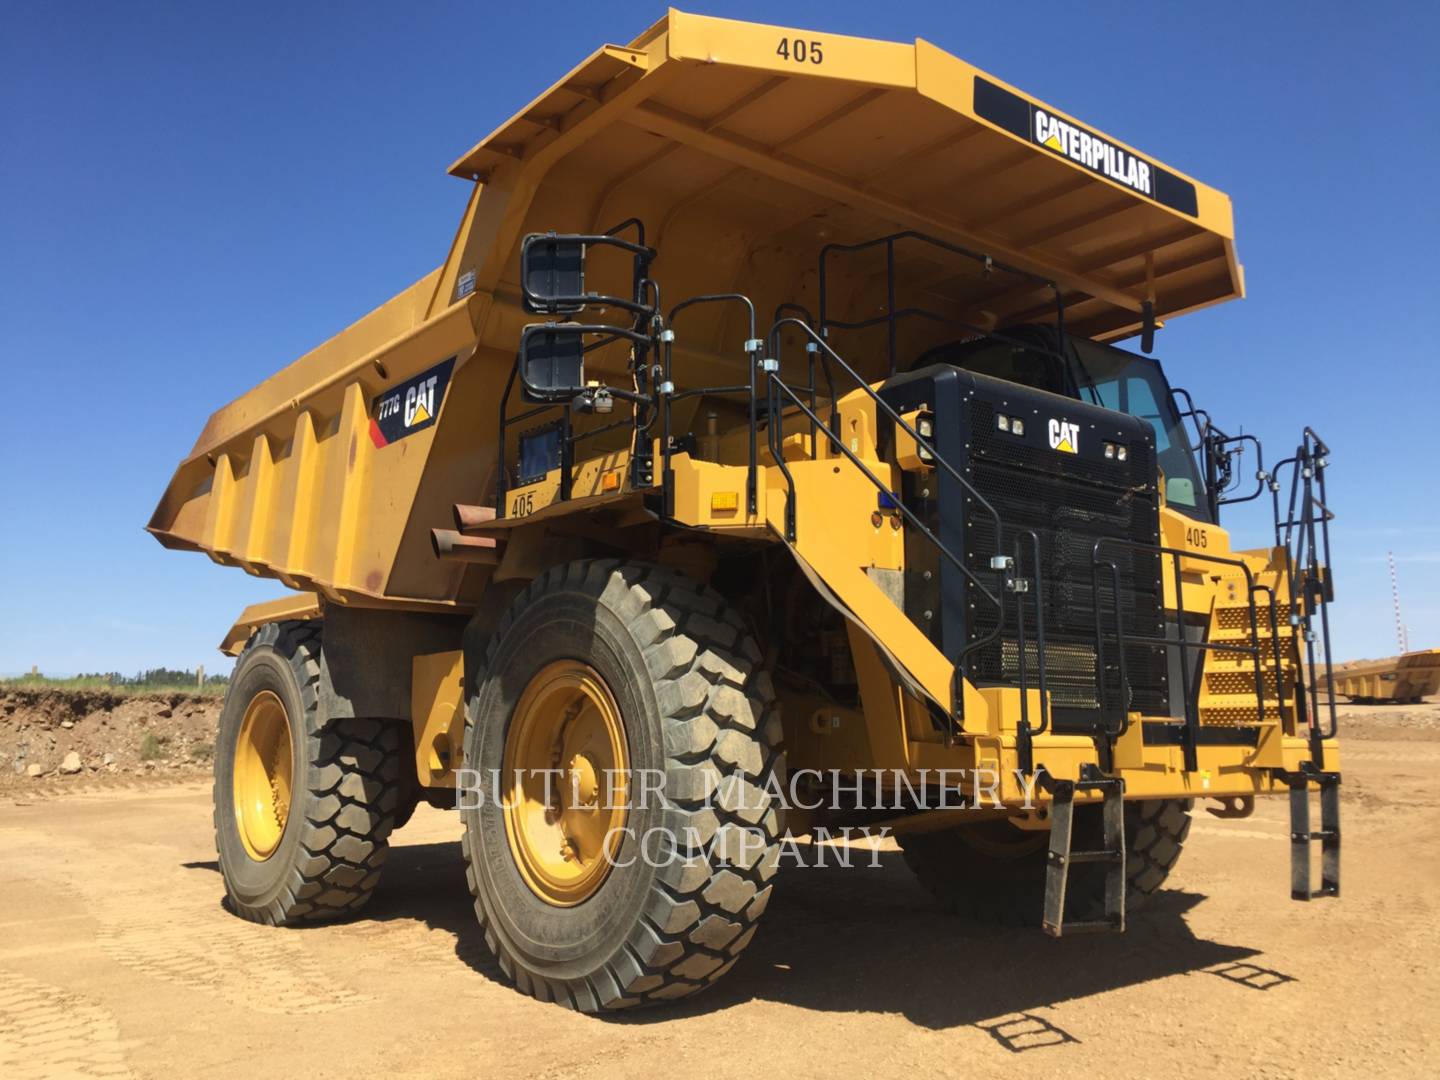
pixel 1395 596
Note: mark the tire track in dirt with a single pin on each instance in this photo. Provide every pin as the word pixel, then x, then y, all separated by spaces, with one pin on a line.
pixel 47 1032
pixel 191 941
pixel 260 968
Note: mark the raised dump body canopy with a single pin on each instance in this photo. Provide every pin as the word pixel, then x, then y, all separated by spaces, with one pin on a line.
pixel 745 149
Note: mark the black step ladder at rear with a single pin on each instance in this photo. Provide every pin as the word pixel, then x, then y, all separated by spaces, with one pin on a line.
pixel 1061 858
pixel 1303 530
pixel 1301 836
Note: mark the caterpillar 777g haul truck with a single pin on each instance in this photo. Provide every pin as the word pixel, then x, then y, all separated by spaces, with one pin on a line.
pixel 764 426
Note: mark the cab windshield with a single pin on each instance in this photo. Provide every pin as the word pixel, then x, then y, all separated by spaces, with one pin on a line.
pixel 1116 379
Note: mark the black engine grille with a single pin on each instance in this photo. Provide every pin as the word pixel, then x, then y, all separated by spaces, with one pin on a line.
pixel 1069 503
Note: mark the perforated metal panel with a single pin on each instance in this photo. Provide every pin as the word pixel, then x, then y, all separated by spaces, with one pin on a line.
pixel 1238 682
pixel 1236 618
pixel 1236 715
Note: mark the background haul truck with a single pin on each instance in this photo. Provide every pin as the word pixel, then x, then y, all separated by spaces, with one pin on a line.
pixel 1407 679
pixel 869 489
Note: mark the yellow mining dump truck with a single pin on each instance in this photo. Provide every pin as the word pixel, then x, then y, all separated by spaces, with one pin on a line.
pixel 1405 679
pixel 759 462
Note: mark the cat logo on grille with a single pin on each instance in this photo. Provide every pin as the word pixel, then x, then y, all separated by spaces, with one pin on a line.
pixel 1064 436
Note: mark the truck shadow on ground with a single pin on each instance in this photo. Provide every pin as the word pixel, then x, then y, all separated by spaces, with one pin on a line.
pixel 863 939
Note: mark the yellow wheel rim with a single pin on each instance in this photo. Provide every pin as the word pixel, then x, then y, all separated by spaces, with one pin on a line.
pixel 262 777
pixel 566 782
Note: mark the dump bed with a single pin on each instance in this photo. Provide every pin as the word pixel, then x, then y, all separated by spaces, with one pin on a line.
pixel 744 148
pixel 1412 676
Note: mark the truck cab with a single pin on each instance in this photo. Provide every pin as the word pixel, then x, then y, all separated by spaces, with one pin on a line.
pixel 1102 374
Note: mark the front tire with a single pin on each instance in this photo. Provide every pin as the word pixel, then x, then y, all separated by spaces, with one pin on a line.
pixel 303 813
pixel 661 908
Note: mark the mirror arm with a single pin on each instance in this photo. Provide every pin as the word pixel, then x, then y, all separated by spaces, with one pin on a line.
pixel 539 303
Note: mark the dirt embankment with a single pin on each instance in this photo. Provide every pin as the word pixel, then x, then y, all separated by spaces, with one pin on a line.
pixel 53 736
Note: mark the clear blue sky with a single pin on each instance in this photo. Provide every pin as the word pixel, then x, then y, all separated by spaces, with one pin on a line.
pixel 191 195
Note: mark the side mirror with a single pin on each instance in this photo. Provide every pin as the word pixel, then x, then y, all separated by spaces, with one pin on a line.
pixel 552 362
pixel 552 274
pixel 1147 327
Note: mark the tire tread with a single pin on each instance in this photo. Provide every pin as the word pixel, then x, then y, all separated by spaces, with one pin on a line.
pixel 347 809
pixel 721 729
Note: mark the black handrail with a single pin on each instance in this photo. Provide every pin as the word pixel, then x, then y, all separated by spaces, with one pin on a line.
pixel 774 437
pixel 752 349
pixel 811 352
pixel 1180 641
pixel 1304 535
pixel 1024 734
pixel 1193 411
pixel 892 316
pixel 1217 448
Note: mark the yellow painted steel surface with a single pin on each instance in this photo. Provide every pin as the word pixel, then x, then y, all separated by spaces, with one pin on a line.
pixel 745 148
pixel 437 709
pixel 299 606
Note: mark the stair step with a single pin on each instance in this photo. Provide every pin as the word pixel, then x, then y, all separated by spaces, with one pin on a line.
pixel 1238 714
pixel 1089 926
pixel 1247 667
pixel 1244 635
pixel 1245 700
pixel 1096 856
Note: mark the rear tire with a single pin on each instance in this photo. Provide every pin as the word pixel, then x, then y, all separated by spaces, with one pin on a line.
pixel 994 872
pixel 321 857
pixel 697 709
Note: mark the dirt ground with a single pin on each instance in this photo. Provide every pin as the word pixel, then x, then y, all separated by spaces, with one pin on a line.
pixel 116 958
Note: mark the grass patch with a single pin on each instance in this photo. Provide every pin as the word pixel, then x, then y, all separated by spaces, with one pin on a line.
pixel 211 688
pixel 152 746
pixel 202 751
